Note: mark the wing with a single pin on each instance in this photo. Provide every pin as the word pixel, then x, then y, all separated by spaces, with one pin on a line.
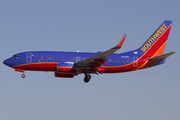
pixel 97 60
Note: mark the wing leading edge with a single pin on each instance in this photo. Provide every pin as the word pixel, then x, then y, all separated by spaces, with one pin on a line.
pixel 97 60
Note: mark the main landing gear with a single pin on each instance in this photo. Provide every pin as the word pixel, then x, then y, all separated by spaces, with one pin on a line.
pixel 87 78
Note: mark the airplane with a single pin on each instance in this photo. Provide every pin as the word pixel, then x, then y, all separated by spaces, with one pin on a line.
pixel 70 64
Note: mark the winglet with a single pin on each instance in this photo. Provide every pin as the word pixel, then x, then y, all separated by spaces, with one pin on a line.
pixel 120 44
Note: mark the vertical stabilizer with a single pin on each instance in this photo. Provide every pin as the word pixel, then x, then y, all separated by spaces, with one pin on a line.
pixel 156 43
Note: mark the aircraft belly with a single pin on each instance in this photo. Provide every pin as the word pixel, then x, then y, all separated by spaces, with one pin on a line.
pixel 38 66
pixel 118 69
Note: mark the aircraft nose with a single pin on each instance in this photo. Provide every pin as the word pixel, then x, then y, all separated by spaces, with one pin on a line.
pixel 7 62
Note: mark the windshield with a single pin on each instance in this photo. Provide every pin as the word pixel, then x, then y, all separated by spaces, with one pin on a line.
pixel 15 56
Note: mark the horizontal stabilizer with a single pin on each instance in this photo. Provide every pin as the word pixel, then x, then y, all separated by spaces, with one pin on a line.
pixel 161 57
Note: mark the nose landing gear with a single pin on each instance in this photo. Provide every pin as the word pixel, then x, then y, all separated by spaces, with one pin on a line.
pixel 23 76
pixel 87 78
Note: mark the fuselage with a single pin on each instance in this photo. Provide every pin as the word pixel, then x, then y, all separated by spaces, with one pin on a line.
pixel 48 60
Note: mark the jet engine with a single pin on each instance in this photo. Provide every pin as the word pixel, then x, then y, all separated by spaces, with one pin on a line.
pixel 66 70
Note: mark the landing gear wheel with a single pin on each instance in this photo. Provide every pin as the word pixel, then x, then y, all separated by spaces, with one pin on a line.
pixel 23 76
pixel 87 78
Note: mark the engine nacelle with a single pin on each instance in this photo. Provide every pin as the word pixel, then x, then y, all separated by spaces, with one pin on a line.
pixel 66 68
pixel 64 75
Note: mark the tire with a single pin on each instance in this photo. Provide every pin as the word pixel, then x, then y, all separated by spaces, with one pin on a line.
pixel 87 78
pixel 23 76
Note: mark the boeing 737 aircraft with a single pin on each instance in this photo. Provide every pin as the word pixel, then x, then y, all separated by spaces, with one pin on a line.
pixel 70 64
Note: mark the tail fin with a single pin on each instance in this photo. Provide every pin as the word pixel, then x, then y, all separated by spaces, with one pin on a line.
pixel 155 45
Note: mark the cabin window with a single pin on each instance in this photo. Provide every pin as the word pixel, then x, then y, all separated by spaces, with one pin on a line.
pixel 49 57
pixel 44 57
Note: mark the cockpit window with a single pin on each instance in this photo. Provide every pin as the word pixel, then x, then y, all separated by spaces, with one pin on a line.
pixel 15 56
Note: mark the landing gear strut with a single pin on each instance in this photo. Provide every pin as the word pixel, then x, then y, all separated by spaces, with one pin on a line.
pixel 87 78
pixel 23 76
